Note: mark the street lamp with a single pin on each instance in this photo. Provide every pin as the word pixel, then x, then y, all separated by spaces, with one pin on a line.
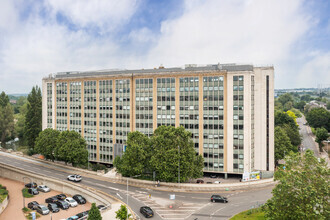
pixel 179 165
pixel 24 183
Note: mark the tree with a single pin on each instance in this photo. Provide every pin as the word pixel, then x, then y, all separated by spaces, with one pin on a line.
pixel 94 213
pixel 285 98
pixel 136 157
pixel 121 214
pixel 6 122
pixel 300 105
pixel 319 117
pixel 173 148
pixel 302 191
pixel 4 99
pixel 306 98
pixel 321 135
pixel 71 148
pixel 293 135
pixel 328 105
pixel 282 144
pixel 33 117
pixel 292 115
pixel 46 143
pixel 282 118
pixel 162 153
pixel 20 122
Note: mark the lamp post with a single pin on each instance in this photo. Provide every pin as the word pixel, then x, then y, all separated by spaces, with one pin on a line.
pixel 179 165
pixel 24 182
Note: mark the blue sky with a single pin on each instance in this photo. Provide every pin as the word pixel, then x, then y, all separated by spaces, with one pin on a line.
pixel 48 36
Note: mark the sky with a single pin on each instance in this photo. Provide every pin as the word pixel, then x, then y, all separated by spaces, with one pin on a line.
pixel 40 37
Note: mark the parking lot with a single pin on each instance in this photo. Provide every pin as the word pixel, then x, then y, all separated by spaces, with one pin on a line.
pixel 14 208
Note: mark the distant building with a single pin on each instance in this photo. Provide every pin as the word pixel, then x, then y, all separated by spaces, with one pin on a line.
pixel 229 109
pixel 12 101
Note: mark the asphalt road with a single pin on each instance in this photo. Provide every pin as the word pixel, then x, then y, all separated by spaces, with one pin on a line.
pixel 307 140
pixel 185 206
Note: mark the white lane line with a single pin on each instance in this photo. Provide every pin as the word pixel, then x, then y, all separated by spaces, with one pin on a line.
pixel 119 196
pixel 217 210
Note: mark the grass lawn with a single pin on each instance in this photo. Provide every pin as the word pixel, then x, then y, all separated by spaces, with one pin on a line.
pixel 250 214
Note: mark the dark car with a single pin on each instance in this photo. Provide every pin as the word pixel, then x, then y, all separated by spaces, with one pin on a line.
pixel 82 215
pixel 146 211
pixel 53 207
pixel 33 191
pixel 33 205
pixel 52 199
pixel 101 207
pixel 79 198
pixel 217 198
pixel 31 185
pixel 214 176
pixel 200 181
pixel 61 196
pixel 62 204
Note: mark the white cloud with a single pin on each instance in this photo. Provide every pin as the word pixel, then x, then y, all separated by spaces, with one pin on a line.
pixel 231 31
pixel 105 14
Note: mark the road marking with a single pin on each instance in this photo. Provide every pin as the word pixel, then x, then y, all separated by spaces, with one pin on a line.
pixel 119 196
pixel 218 210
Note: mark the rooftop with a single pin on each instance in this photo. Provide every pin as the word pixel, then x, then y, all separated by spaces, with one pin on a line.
pixel 161 69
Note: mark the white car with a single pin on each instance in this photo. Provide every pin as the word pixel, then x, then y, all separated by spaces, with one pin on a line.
pixel 43 188
pixel 217 182
pixel 71 201
pixel 74 178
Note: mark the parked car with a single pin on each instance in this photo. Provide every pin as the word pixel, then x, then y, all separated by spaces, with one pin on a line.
pixel 79 198
pixel 74 178
pixel 71 201
pixel 200 181
pixel 146 211
pixel 62 204
pixel 32 205
pixel 43 188
pixel 73 218
pixel 101 207
pixel 42 209
pixel 61 196
pixel 31 185
pixel 53 207
pixel 217 182
pixel 33 191
pixel 52 199
pixel 218 198
pixel 213 176
pixel 82 215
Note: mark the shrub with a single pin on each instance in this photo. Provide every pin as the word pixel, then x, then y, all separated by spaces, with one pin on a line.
pixel 26 194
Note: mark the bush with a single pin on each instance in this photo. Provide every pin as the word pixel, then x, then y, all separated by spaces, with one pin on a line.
pixel 26 194
pixel 96 167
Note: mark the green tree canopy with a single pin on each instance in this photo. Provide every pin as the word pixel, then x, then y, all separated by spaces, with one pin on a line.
pixel 33 116
pixel 162 153
pixel 173 149
pixel 121 214
pixel 6 123
pixel 4 99
pixel 302 191
pixel 321 135
pixel 285 98
pixel 300 105
pixel 306 98
pixel 46 143
pixel 282 144
pixel 282 118
pixel 94 213
pixel 319 117
pixel 293 135
pixel 71 148
pixel 136 157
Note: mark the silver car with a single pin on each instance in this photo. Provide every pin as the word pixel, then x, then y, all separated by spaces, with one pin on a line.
pixel 43 188
pixel 74 178
pixel 42 209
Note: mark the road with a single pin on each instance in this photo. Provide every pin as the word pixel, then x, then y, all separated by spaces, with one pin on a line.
pixel 186 205
pixel 307 140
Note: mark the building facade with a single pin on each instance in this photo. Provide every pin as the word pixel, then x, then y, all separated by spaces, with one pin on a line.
pixel 229 109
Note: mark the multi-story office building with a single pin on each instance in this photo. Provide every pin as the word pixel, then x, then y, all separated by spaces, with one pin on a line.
pixel 229 109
